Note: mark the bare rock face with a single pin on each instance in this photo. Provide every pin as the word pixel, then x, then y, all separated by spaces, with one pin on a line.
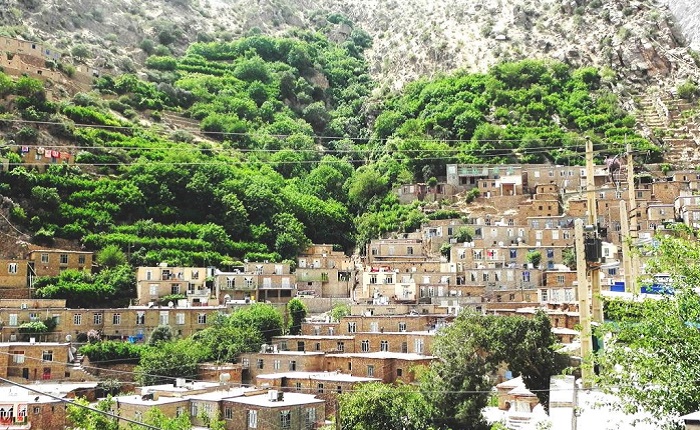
pixel 687 13
pixel 411 38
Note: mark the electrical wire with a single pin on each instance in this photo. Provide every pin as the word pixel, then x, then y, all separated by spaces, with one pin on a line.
pixel 76 404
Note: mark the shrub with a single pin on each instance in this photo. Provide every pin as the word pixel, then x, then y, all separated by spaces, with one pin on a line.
pixel 112 351
pixel 687 90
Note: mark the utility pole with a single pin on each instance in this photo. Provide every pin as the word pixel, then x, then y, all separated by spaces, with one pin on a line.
pixel 594 266
pixel 583 303
pixel 626 241
pixel 633 226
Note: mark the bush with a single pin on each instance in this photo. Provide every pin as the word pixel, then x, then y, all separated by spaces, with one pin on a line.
pixel 112 351
pixel 687 90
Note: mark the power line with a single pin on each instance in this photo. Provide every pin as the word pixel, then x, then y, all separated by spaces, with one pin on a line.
pixel 581 139
pixel 76 404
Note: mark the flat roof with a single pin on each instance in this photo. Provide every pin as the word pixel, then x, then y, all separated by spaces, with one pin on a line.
pixel 2 344
pixel 315 337
pixel 215 396
pixel 385 354
pixel 189 386
pixel 16 394
pixel 139 400
pixel 295 353
pixel 320 376
pixel 289 399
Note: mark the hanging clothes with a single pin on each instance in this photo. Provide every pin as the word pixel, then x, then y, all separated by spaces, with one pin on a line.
pixel 54 154
pixel 40 150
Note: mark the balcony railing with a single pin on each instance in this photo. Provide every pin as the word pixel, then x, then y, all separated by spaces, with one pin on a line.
pixel 276 286
pixel 323 277
pixel 204 292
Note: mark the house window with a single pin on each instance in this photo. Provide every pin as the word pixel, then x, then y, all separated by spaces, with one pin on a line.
pixel 404 347
pixel 175 289
pixel 320 388
pixel 310 417
pixel 292 365
pixel 365 346
pixel 341 346
pixel 301 346
pixel 153 289
pixel 352 327
pixel 77 319
pixel 374 326
pixel 550 253
pixel 180 318
pixel 373 279
pixel 201 318
pixel 370 371
pixel 64 258
pixel 194 411
pixel 276 364
pixel 228 413
pixel 418 346
pixel 261 363
pixel 402 326
pixel 544 295
pixel 163 318
pixel 526 276
pixel 81 259
pixel 399 372
pixel 12 268
pixel 12 320
pixel 97 319
pixel 47 355
pixel 339 389
pixel 18 357
pixel 285 419
pixel 44 258
pixel 138 416
pixel 253 419
pixel 140 318
pixel 560 279
pixel 116 319
pixel 297 386
pixel 409 250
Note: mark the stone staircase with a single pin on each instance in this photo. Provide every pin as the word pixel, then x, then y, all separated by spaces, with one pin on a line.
pixel 670 121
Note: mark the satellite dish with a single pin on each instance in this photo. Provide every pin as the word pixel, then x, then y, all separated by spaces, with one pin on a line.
pixel 224 377
pixel 171 304
pixel 69 338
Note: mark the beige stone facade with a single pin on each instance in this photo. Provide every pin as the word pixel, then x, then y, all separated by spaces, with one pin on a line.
pixel 264 282
pixel 153 283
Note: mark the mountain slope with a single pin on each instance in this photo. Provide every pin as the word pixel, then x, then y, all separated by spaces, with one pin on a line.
pixel 411 38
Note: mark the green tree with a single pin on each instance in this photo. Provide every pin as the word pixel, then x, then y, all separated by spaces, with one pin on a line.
pixel 162 333
pixel 340 311
pixel 156 418
pixel 376 405
pixel 474 347
pixel 83 418
pixel 165 361
pixel 262 317
pixel 534 258
pixel 650 352
pixel 297 311
pixel 111 256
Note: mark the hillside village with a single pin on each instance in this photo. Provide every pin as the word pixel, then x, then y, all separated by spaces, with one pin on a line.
pixel 499 241
pixel 403 289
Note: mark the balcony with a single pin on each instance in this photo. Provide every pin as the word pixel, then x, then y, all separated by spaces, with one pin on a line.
pixel 276 286
pixel 202 292
pixel 312 277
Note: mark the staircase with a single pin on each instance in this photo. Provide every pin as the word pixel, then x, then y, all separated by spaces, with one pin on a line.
pixel 665 118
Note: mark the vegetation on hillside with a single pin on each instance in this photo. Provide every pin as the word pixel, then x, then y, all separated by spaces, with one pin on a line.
pixel 287 146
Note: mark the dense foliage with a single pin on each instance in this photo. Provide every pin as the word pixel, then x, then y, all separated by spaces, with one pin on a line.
pixel 281 143
pixel 650 355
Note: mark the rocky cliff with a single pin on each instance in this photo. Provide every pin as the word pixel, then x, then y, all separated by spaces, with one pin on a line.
pixel 638 40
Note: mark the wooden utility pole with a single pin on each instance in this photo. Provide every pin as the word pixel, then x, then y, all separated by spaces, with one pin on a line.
pixel 626 247
pixel 632 233
pixel 583 303
pixel 593 221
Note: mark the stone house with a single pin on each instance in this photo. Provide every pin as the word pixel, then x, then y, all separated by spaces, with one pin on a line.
pixel 153 283
pixel 274 410
pixel 263 282
pixel 326 272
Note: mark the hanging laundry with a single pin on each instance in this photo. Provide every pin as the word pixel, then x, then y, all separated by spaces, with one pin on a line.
pixel 65 155
pixel 47 153
pixel 40 150
pixel 25 149
pixel 54 154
